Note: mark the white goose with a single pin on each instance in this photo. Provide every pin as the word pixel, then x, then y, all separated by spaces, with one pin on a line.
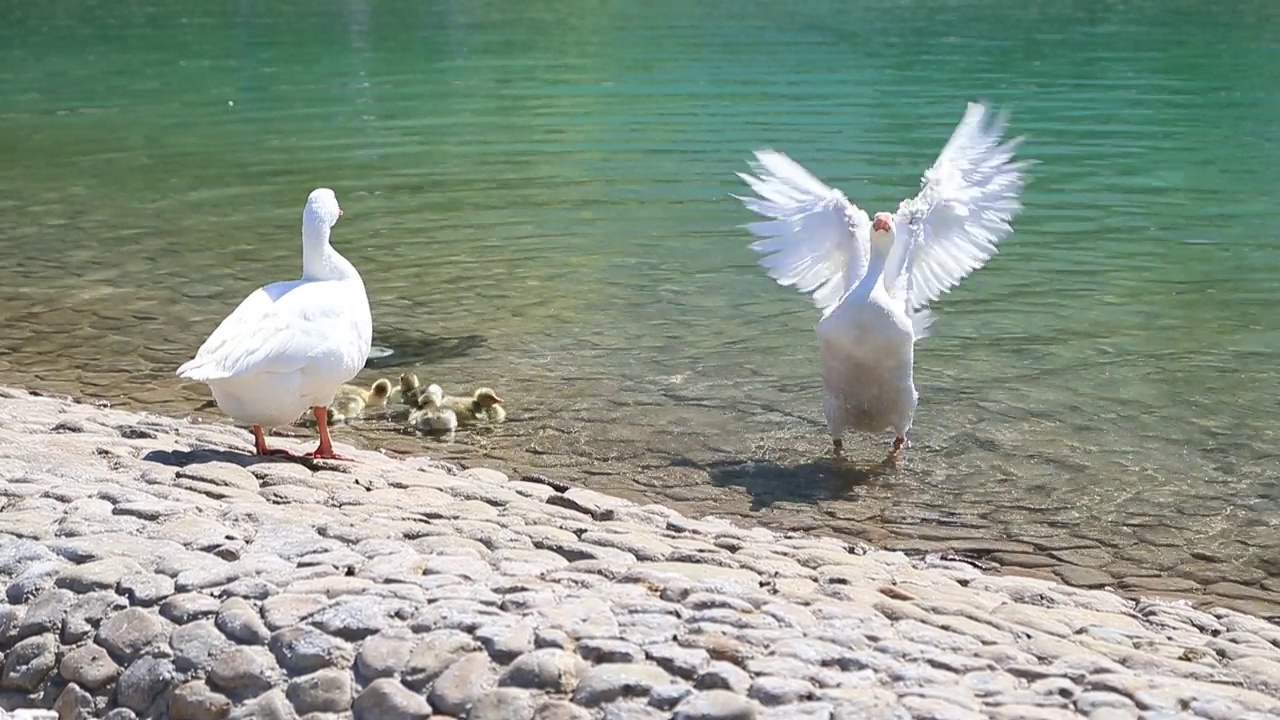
pixel 291 344
pixel 874 279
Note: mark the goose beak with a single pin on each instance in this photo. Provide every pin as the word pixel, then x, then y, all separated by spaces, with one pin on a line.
pixel 880 224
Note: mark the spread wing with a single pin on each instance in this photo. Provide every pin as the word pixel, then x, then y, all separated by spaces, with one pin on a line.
pixel 816 240
pixel 269 331
pixel 966 203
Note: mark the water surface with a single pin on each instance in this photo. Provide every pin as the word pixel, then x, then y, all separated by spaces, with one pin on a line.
pixel 537 195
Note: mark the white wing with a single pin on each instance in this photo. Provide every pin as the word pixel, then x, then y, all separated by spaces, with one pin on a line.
pixel 964 209
pixel 272 330
pixel 817 241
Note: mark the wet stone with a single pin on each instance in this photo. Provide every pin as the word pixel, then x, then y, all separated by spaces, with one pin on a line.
pixel 130 632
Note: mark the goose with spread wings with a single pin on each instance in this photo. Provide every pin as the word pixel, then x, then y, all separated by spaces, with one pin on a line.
pixel 873 278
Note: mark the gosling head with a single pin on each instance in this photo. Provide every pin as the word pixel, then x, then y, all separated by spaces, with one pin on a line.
pixel 380 390
pixel 486 397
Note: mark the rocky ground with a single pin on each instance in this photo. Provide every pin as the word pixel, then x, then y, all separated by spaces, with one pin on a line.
pixel 153 569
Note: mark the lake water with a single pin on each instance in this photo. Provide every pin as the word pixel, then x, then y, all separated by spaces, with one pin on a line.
pixel 538 197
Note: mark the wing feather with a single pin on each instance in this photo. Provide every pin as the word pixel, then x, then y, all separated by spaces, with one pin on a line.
pixel 816 240
pixel 966 205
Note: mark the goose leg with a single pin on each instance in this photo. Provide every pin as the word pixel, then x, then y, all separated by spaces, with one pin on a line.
pixel 325 448
pixel 837 447
pixel 260 444
pixel 899 443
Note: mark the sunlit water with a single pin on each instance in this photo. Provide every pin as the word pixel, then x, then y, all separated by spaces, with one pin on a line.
pixel 538 197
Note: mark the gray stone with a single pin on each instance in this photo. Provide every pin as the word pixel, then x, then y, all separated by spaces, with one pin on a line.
pixel 303 649
pixel 197 701
pixel 34 580
pixel 73 703
pixel 321 691
pixel 46 612
pixel 130 632
pixel 771 690
pixel 632 710
pixel 271 705
pixel 145 589
pixel 243 669
pixel 560 710
pixel 435 652
pixel 665 697
pixel 89 666
pixel 607 683
pixel 385 654
pixel 583 617
pixel 289 609
pixel 549 669
pixel 503 704
pixel 87 613
pixel 721 675
pixel 506 641
pixel 248 588
pixel 800 711
pixel 205 576
pixel 461 684
pixel 386 699
pixel 120 713
pixel 184 608
pixel 194 644
pixel 240 623
pixel 29 662
pixel 142 682
pixel 715 705
pixel 358 618
pixel 601 651
pixel 102 574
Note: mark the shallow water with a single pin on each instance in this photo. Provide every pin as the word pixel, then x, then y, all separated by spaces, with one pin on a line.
pixel 537 195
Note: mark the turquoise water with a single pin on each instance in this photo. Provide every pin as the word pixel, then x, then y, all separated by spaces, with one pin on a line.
pixel 537 195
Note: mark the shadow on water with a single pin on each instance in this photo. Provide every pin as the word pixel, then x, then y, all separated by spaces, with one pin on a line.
pixel 812 481
pixel 411 347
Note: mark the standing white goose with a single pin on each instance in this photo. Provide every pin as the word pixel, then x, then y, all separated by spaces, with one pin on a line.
pixel 291 344
pixel 874 279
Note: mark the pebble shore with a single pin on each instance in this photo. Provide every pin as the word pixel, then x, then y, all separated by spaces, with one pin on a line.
pixel 153 569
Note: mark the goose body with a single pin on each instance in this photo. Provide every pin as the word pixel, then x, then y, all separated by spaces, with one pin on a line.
pixel 874 278
pixel 290 345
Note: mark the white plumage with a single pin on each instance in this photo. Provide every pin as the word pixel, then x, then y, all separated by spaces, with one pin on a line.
pixel 873 280
pixel 290 345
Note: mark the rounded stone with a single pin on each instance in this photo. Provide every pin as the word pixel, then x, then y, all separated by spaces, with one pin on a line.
pixel 503 704
pixel 240 622
pixel 243 669
pixel 386 699
pixel 769 690
pixel 145 589
pixel 715 705
pixel 548 669
pixel 89 666
pixel 560 710
pixel 607 683
pixel 464 682
pixel 130 632
pixel 197 701
pixel 28 663
pixel 142 682
pixel 384 655
pixel 721 675
pixel 73 702
pixel 322 691
pixel 303 649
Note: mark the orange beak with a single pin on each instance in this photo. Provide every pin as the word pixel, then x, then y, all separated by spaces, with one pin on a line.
pixel 880 224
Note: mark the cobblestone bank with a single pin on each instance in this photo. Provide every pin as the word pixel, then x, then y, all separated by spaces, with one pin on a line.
pixel 152 569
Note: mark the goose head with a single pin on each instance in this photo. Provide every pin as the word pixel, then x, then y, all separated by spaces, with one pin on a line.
pixel 322 210
pixel 882 232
